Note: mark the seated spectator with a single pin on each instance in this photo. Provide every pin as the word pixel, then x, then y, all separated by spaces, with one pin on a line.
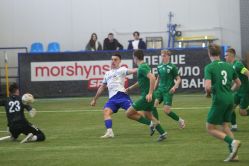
pixel 137 43
pixel 93 44
pixel 112 44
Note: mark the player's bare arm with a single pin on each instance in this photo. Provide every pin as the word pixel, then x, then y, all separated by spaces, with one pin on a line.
pixel 131 87
pixel 152 79
pixel 99 92
pixel 157 82
pixel 208 88
pixel 177 83
pixel 132 71
pixel 236 84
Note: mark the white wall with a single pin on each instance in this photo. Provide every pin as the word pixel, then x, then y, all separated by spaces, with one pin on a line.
pixel 71 22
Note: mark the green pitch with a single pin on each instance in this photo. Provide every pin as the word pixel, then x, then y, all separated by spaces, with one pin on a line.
pixel 73 129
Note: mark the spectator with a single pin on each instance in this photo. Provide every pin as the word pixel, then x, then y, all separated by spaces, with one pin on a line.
pixel 137 43
pixel 112 44
pixel 93 44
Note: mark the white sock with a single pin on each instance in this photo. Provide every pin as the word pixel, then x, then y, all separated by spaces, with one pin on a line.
pixel 234 126
pixel 109 130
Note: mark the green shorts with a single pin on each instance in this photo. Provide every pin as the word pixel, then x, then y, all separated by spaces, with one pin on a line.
pixel 242 100
pixel 142 105
pixel 220 113
pixel 166 97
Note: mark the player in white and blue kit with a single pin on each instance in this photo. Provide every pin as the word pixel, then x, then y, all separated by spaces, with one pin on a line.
pixel 114 80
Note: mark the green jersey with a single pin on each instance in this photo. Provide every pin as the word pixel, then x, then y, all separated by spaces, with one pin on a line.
pixel 143 80
pixel 167 73
pixel 239 68
pixel 221 75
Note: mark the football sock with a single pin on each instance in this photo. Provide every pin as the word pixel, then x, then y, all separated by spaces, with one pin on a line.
pixel 233 118
pixel 143 120
pixel 230 148
pixel 155 113
pixel 228 139
pixel 108 123
pixel 160 129
pixel 173 115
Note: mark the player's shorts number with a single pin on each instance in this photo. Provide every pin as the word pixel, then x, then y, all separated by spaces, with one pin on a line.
pixel 224 74
pixel 14 106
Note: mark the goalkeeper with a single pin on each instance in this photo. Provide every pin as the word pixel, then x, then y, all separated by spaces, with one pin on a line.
pixel 17 122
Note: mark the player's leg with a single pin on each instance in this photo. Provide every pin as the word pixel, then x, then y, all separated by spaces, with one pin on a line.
pixel 107 112
pixel 167 100
pixel 33 134
pixel 156 123
pixel 221 115
pixel 237 100
pixel 227 137
pixel 132 113
pixel 13 134
pixel 244 103
pixel 234 146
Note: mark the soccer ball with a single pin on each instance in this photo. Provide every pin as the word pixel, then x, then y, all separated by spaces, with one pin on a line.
pixel 27 98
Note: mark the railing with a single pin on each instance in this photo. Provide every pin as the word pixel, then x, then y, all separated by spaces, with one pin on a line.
pixel 9 68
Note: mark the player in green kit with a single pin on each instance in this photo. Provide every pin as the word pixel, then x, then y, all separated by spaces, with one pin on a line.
pixel 219 76
pixel 241 97
pixel 146 83
pixel 167 74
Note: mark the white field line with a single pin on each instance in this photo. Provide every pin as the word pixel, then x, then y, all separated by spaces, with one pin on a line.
pixel 94 110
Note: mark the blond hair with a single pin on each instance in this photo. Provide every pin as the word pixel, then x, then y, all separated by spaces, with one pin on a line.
pixel 165 52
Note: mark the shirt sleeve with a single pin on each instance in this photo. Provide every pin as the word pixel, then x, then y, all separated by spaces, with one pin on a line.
pixel 207 73
pixel 104 81
pixel 239 68
pixel 124 71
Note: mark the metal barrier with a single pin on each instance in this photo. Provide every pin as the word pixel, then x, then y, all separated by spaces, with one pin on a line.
pixel 9 67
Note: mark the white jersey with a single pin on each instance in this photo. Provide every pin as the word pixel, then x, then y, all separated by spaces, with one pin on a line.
pixel 115 79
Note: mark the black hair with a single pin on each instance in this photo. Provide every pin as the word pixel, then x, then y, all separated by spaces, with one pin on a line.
pixel 13 88
pixel 139 54
pixel 118 55
pixel 136 32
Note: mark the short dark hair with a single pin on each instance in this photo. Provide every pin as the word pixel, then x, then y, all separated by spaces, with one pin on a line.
pixel 110 34
pixel 118 55
pixel 13 88
pixel 136 32
pixel 231 50
pixel 214 50
pixel 139 54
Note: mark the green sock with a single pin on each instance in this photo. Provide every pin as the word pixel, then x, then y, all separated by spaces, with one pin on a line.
pixel 160 129
pixel 230 148
pixel 173 115
pixel 155 113
pixel 228 139
pixel 143 120
pixel 233 118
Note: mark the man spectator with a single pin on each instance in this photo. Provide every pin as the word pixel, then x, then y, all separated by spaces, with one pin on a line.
pixel 110 43
pixel 137 43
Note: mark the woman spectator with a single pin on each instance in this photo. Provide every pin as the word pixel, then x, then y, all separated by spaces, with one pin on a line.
pixel 93 44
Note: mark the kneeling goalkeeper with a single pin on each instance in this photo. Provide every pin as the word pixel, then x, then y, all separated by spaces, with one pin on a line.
pixel 17 122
